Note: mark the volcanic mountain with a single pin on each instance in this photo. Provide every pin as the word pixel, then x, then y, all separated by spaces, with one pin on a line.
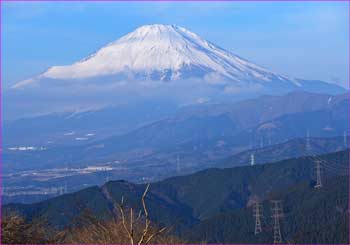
pixel 165 53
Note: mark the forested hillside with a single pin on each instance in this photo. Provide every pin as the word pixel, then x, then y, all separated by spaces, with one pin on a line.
pixel 215 205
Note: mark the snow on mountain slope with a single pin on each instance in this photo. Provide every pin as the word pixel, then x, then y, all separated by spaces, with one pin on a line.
pixel 163 53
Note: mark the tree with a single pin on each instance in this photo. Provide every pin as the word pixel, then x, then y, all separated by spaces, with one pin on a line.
pixel 147 234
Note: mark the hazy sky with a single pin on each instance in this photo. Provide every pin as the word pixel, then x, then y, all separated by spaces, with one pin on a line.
pixel 305 40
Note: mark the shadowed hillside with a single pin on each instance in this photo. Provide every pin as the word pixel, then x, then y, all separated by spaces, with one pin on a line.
pixel 193 205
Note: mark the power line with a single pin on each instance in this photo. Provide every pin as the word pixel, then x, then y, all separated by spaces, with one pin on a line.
pixel 332 166
pixel 322 166
pixel 333 170
pixel 328 161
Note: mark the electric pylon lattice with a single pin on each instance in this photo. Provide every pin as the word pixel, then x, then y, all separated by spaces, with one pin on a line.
pixel 277 213
pixel 257 209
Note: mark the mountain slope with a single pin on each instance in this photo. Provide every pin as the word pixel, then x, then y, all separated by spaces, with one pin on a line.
pixel 311 216
pixel 271 120
pixel 162 52
pixel 194 197
pixel 289 149
pixel 65 127
pixel 157 166
pixel 163 62
pixel 268 107
pixel 120 119
pixel 168 53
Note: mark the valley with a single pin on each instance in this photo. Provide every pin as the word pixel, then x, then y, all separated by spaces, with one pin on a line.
pixel 185 142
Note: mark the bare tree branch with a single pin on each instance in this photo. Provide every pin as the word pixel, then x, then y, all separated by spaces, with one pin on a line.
pixel 155 234
pixel 146 229
pixel 146 235
pixel 121 210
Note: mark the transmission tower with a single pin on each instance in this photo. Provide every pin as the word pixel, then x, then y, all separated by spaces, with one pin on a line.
pixel 307 143
pixel 345 140
pixel 178 169
pixel 252 159
pixel 261 142
pixel 257 214
pixel 107 176
pixel 277 213
pixel 318 174
pixel 60 192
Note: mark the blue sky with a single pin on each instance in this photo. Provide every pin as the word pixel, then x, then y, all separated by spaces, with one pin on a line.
pixel 305 40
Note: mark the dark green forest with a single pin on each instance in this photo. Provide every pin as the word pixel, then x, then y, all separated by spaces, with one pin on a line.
pixel 214 205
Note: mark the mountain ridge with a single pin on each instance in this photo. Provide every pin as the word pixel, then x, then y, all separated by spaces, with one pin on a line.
pixel 188 195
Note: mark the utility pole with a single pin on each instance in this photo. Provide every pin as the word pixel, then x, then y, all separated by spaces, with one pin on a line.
pixel 277 213
pixel 257 214
pixel 318 174
pixel 252 159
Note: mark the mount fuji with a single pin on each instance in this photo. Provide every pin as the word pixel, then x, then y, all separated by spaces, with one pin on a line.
pixel 168 53
pixel 162 52
pixel 161 64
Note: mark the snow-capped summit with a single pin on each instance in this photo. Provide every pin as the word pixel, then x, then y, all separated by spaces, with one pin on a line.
pixel 163 63
pixel 165 53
